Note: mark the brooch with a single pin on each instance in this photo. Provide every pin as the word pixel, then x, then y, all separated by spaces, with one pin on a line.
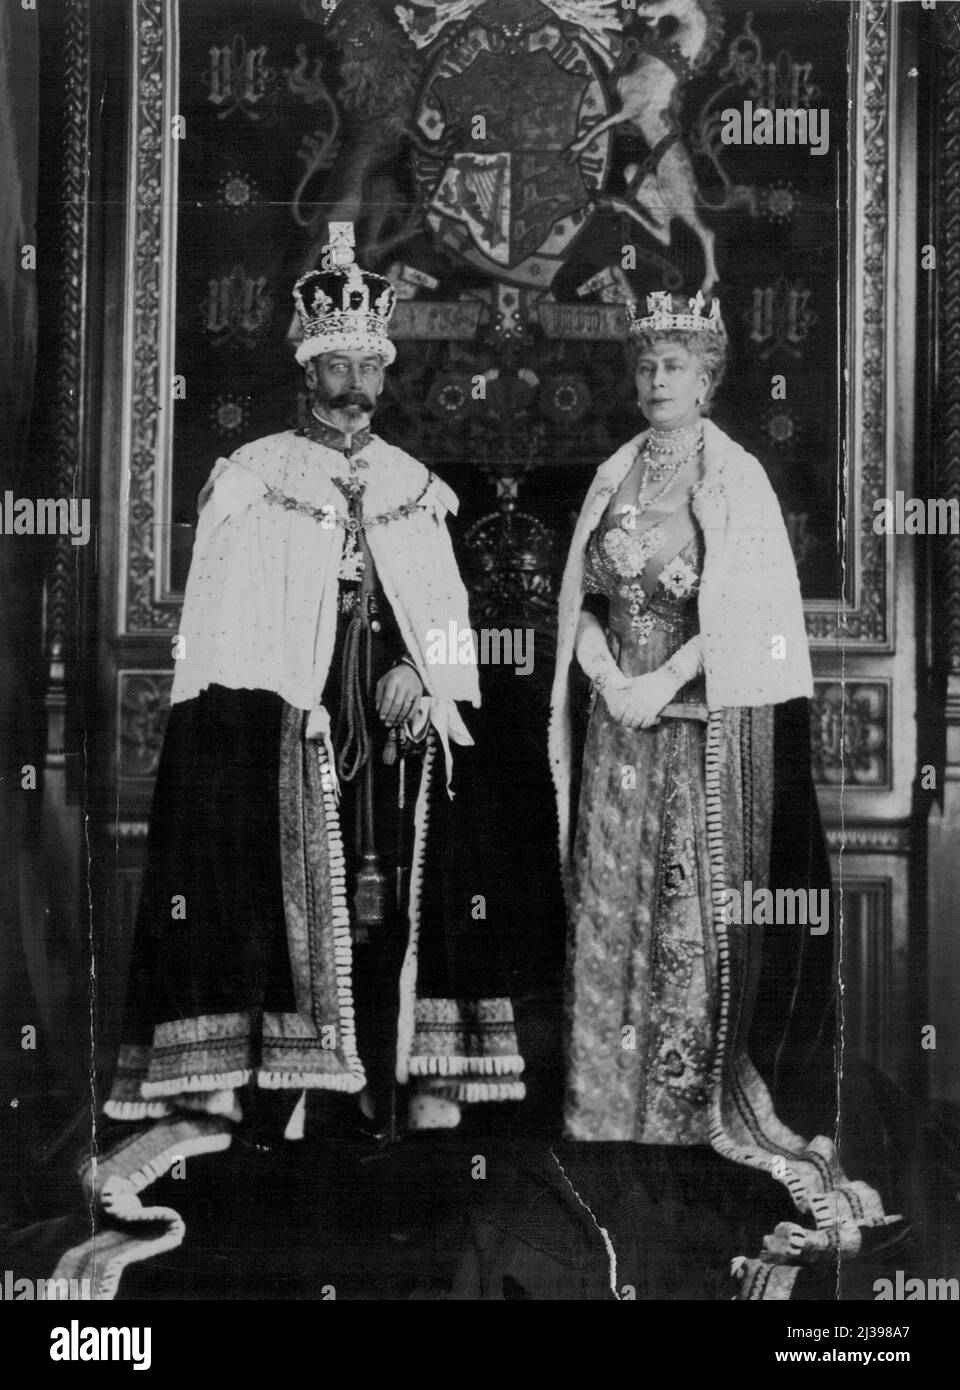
pixel 631 553
pixel 640 622
pixel 679 578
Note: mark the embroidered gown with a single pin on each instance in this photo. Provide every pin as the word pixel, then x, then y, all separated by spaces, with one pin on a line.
pixel 641 989
pixel 664 985
pixel 661 988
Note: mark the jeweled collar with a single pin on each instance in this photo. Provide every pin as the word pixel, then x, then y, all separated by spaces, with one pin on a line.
pixel 323 433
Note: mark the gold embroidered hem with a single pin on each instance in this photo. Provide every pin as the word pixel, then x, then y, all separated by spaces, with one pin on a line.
pixel 473 1091
pixel 454 1037
pixel 221 1052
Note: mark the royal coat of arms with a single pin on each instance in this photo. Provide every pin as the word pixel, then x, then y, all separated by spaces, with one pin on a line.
pixel 503 102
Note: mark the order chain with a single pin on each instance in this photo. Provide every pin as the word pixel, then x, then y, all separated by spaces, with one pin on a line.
pixel 328 516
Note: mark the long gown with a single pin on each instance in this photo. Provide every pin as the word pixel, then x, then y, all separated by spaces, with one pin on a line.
pixel 661 986
pixel 663 989
pixel 642 974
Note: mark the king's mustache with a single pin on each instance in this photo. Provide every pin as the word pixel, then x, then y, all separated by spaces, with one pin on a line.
pixel 352 395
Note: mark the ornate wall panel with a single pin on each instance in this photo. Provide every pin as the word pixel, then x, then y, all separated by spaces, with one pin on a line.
pixel 877 960
pixel 866 620
pixel 150 291
pixel 143 699
pixel 852 732
pixel 867 967
pixel 943 866
pixel 864 710
pixel 69 472
pixel 949 243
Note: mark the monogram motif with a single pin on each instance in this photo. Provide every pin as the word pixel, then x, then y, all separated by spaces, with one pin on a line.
pixel 237 307
pixel 780 317
pixel 238 78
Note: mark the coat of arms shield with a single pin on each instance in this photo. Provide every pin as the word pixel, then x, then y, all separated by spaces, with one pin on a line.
pixel 509 103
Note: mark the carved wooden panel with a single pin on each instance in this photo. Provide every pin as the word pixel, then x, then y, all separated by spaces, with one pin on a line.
pixel 866 622
pixel 948 248
pixel 852 731
pixel 883 1008
pixel 151 257
pixel 144 703
pixel 867 967
pixel 69 474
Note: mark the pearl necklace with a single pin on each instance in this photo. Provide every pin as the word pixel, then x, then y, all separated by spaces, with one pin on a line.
pixel 660 440
pixel 663 447
pixel 665 468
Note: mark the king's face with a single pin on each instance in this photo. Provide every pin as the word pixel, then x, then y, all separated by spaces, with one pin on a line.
pixel 347 381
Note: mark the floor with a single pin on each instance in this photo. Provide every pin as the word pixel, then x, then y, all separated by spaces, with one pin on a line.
pixel 501 1208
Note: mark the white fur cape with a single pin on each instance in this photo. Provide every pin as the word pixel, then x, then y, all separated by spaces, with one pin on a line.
pixel 749 595
pixel 260 610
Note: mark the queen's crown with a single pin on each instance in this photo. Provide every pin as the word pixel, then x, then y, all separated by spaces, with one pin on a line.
pixel 661 315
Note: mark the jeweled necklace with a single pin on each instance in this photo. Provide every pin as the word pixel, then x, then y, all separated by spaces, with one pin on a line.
pixel 643 501
pixel 663 447
pixel 665 469
pixel 673 441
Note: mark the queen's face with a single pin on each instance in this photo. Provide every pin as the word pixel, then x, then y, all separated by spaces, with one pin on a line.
pixel 670 379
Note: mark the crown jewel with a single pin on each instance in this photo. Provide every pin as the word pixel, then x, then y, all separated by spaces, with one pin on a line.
pixel 341 307
pixel 661 315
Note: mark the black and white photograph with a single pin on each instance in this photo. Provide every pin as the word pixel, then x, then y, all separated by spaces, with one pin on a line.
pixel 480 662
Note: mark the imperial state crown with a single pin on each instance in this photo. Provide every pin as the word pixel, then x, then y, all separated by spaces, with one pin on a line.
pixel 341 307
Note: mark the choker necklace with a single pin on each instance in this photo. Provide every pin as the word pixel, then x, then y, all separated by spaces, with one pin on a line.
pixel 674 441
pixel 667 451
pixel 662 466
